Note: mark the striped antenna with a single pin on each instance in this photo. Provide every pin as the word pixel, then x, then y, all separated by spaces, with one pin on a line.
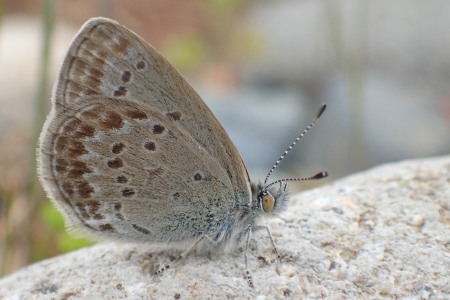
pixel 318 114
pixel 315 177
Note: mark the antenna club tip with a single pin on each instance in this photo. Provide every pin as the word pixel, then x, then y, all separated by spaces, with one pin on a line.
pixel 320 175
pixel 320 112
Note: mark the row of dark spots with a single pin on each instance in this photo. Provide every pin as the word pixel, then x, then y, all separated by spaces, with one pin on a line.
pixel 123 90
pixel 126 77
pixel 117 148
pixel 126 192
pixel 140 115
pixel 117 209
pixel 117 163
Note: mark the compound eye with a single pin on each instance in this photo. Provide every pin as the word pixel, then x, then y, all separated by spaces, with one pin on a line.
pixel 267 202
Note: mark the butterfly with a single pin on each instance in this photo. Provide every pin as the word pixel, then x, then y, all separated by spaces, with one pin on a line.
pixel 130 152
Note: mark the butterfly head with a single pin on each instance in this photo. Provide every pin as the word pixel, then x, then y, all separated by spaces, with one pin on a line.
pixel 271 201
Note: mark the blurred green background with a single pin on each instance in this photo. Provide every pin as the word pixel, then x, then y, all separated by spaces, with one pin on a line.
pixel 381 66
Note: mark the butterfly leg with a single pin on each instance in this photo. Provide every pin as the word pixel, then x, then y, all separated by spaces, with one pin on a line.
pixel 247 272
pixel 249 233
pixel 271 240
pixel 182 255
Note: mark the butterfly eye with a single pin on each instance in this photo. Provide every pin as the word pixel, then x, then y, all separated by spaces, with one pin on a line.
pixel 267 202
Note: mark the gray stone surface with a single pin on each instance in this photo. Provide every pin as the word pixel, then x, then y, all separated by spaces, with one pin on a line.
pixel 383 233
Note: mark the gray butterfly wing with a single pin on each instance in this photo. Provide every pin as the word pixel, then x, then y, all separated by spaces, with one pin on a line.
pixel 130 150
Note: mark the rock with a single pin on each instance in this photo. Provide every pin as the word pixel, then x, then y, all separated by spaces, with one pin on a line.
pixel 383 233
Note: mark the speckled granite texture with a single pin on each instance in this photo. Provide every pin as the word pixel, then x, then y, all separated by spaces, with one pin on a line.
pixel 383 233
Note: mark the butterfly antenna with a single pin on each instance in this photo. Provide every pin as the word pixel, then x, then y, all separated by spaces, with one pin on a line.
pixel 317 117
pixel 315 177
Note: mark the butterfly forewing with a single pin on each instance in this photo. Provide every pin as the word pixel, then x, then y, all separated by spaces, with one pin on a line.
pixel 128 141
